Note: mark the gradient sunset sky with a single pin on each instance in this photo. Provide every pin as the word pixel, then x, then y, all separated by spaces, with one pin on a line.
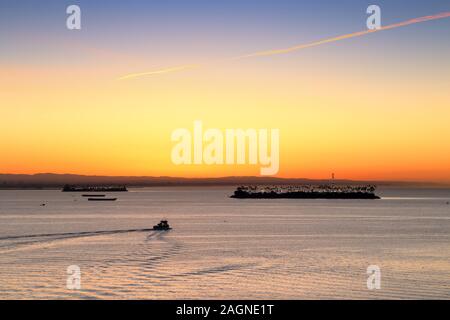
pixel 370 107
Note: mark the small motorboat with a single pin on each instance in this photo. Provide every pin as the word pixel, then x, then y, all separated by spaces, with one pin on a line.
pixel 163 225
pixel 102 199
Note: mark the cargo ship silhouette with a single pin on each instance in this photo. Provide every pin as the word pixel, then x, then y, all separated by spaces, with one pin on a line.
pixel 71 188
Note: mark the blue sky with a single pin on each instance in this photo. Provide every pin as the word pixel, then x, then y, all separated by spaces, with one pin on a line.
pixel 214 28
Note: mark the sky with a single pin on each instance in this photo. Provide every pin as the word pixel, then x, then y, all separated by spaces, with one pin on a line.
pixel 368 107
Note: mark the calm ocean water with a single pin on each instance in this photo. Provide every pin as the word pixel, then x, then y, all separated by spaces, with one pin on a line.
pixel 224 248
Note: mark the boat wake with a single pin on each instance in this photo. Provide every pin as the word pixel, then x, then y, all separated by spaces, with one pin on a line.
pixel 19 241
pixel 75 234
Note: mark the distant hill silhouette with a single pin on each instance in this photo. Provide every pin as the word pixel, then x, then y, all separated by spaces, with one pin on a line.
pixel 51 180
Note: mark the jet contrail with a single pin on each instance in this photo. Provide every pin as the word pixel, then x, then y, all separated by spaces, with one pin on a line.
pixel 300 46
pixel 345 36
pixel 161 71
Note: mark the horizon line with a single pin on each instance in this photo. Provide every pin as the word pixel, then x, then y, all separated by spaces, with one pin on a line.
pixel 441 182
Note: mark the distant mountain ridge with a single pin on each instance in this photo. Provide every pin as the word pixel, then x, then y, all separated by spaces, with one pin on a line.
pixel 52 180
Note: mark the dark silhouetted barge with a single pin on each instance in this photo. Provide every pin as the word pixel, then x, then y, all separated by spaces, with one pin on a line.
pixel 102 199
pixel 70 188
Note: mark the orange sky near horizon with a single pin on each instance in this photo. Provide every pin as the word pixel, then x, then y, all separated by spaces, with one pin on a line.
pixel 371 108
pixel 85 123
